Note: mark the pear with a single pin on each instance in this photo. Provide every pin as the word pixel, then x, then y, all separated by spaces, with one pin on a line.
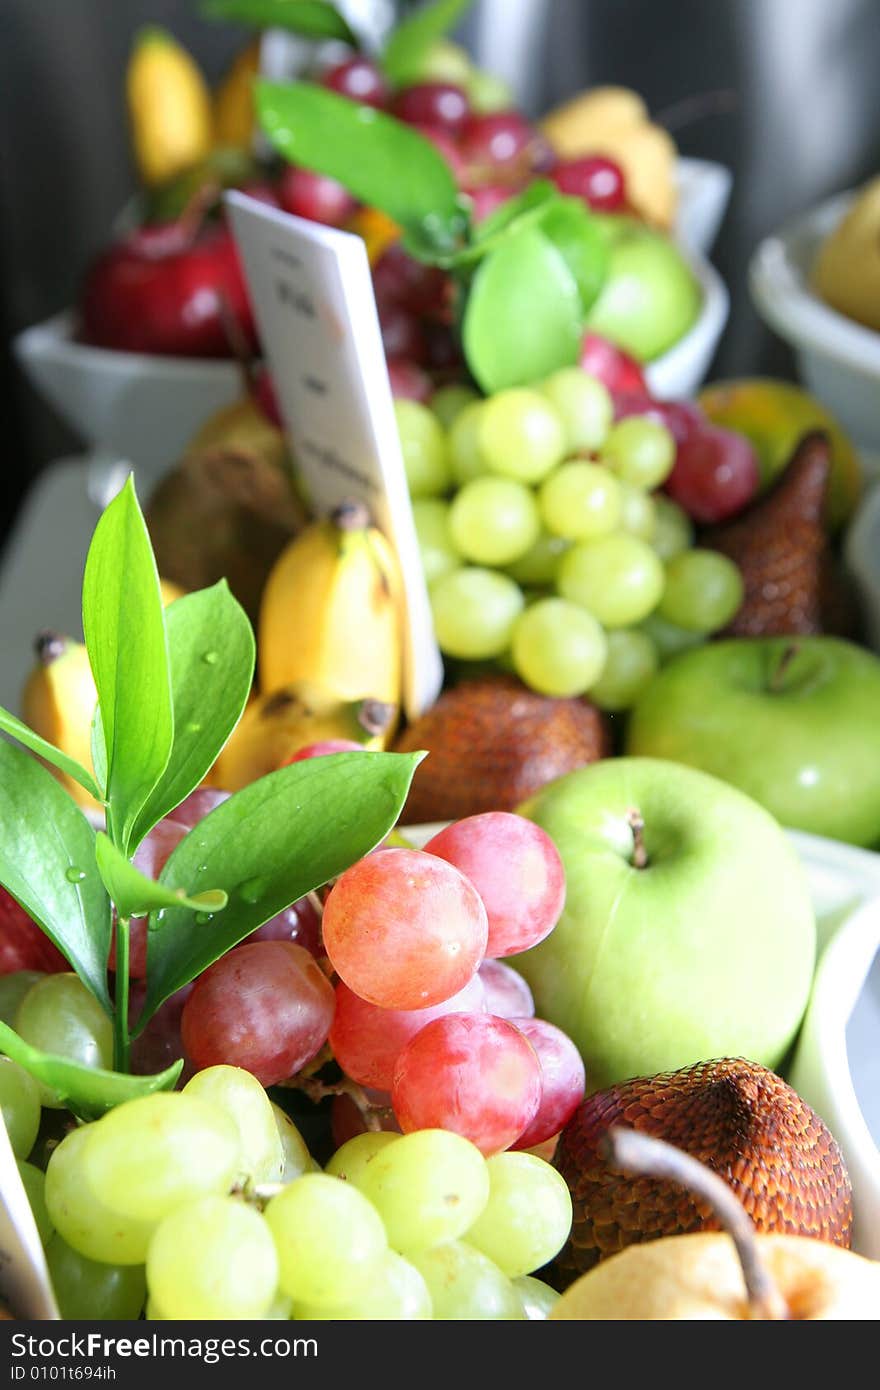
pixel 58 702
pixel 846 272
pixel 734 1276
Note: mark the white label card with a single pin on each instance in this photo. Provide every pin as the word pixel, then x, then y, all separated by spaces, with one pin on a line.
pixel 312 295
pixel 24 1278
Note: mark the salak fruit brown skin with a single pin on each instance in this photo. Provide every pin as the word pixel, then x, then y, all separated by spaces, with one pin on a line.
pixel 491 743
pixel 736 1117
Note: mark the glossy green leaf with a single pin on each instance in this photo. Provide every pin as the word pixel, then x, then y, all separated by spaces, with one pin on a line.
pixel 379 159
pixel 314 19
pixel 47 862
pixel 134 894
pixel 10 725
pixel 99 751
pixel 267 846
pixel 211 653
pixel 411 39
pixel 124 629
pixel 524 209
pixel 573 230
pixel 87 1091
pixel 523 317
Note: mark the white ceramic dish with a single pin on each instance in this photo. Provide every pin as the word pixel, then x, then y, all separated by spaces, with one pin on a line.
pixel 703 195
pixel 839 360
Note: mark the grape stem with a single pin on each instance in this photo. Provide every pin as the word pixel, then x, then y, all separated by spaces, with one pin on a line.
pixel 315 1090
pixel 121 1039
pixel 636 1152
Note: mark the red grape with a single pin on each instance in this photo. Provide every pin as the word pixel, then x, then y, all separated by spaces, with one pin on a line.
pixel 445 145
pixel 150 858
pixel 315 197
pixel 442 346
pixel 266 1006
pixel 400 279
pixel 367 1041
pixel 562 1080
pixel 263 192
pixel 404 929
pixel 347 1119
pixel 402 334
pixel 358 79
pixel 681 418
pixel 516 869
pixel 595 179
pixel 24 945
pixel 507 993
pixel 409 382
pixel 495 141
pixel 488 197
pixel 715 474
pixel 298 923
pixel 614 367
pixel 160 1044
pixel 439 104
pixel 474 1074
pixel 322 749
pixel 197 805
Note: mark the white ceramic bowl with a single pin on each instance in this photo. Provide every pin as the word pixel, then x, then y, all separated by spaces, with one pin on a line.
pixel 838 359
pixel 703 194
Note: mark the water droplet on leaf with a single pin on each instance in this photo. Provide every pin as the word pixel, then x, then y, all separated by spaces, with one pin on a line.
pixel 252 889
pixel 74 874
pixel 211 658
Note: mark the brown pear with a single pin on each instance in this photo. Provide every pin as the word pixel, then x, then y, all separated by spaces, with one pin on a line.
pixel 792 583
pixel 492 743
pixel 736 1117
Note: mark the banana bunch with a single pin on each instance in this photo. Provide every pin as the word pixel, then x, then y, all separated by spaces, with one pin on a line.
pixel 329 648
pixel 169 107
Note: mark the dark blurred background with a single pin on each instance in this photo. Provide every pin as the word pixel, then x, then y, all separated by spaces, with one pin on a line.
pixel 784 92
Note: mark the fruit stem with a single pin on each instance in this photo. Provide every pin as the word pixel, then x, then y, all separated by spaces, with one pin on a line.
pixel 645 1156
pixel 777 679
pixel 351 516
pixel 636 822
pixel 48 646
pixel 375 716
pixel 121 1039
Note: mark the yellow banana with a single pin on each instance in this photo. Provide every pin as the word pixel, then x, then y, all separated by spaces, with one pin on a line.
pixel 234 115
pixel 331 612
pixel 58 702
pixel 169 106
pixel 277 725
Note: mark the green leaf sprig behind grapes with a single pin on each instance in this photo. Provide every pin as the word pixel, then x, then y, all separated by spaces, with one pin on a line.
pixel 313 19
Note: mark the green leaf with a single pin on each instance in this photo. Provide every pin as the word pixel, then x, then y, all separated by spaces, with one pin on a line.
pixel 573 230
pixel 410 40
pixel 314 19
pixel 47 862
pixel 88 1091
pixel 135 894
pixel 267 846
pixel 211 653
pixel 125 635
pixel 99 751
pixel 525 209
pixel 379 159
pixel 523 317
pixel 10 725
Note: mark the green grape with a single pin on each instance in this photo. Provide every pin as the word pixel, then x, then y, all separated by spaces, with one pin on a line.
pixel 294 1150
pixel 13 988
pixel 439 555
pixel 33 1181
pixel 474 612
pixel 703 591
pixel 667 638
pixel 351 1158
pixel 493 521
pixel 448 402
pixel 214 1258
pixel 425 452
pixel 465 1286
pixel 465 455
pixel 81 1217
pixel 151 1155
pixel 280 1309
pixel 427 1186
pixel 444 61
pixel 583 404
pixel 632 660
pixel 330 1240
pixel 88 1291
pixel 537 1297
pixel 558 649
pixel 638 515
pixel 521 434
pixel 396 1293
pixel 641 451
pixel 618 579
pixel 581 500
pixel 527 1218
pixel 58 1014
pixel 674 530
pixel 540 563
pixel 20 1104
pixel 240 1096
pixel 486 92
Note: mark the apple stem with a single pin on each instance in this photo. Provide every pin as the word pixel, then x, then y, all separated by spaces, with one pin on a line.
pixel 777 679
pixel 636 822
pixel 642 1154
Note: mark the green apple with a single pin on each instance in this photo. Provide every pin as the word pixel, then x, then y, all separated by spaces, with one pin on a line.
pixel 650 297
pixel 688 931
pixel 794 722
